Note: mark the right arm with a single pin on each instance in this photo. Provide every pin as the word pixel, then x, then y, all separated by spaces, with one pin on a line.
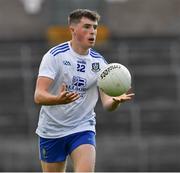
pixel 42 95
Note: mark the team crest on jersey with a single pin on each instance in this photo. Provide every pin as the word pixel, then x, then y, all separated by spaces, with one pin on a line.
pixel 95 67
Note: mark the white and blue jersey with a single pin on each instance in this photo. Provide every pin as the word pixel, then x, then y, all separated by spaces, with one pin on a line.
pixel 79 73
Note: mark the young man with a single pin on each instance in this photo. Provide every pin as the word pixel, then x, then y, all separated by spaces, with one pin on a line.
pixel 66 88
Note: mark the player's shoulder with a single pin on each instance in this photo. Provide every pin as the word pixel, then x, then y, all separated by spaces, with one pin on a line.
pixel 96 55
pixel 59 49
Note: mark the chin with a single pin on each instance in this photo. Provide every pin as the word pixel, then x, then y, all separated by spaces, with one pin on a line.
pixel 92 44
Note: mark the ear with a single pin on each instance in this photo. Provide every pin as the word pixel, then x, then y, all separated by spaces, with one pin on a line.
pixel 72 29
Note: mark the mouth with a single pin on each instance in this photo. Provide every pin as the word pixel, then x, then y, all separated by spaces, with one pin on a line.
pixel 91 39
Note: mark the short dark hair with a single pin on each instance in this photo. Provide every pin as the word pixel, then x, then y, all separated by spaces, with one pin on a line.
pixel 76 15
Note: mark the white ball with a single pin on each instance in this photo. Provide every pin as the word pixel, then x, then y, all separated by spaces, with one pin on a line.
pixel 114 79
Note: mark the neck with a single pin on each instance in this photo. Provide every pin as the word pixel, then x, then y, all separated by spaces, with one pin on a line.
pixel 78 48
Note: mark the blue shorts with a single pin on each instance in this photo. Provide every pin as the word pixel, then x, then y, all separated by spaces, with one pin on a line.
pixel 56 150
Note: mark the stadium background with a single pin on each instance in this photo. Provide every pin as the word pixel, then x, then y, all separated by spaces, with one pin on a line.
pixel 142 135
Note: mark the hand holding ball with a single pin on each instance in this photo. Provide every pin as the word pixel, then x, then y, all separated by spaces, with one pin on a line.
pixel 114 80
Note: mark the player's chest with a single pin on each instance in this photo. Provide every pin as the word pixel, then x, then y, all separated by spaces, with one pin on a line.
pixel 84 68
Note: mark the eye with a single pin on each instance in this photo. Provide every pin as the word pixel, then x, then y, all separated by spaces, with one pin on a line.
pixel 87 26
pixel 95 27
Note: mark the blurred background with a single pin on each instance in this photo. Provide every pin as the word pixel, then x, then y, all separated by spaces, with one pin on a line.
pixel 142 135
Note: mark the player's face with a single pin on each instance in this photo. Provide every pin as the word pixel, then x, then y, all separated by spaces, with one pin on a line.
pixel 85 33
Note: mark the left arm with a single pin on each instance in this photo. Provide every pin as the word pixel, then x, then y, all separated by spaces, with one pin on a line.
pixel 111 103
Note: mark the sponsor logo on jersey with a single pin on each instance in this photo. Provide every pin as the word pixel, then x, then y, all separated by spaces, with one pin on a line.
pixel 78 85
pixel 65 62
pixel 95 67
pixel 79 81
pixel 81 61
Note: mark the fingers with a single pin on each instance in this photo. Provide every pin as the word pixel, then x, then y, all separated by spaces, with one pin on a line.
pixel 64 93
pixel 115 100
pixel 123 98
pixel 71 96
pixel 68 97
pixel 65 97
pixel 130 95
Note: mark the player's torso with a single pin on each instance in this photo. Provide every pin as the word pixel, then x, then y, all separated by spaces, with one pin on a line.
pixel 79 73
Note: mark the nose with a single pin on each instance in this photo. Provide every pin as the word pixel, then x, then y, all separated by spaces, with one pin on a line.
pixel 92 30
